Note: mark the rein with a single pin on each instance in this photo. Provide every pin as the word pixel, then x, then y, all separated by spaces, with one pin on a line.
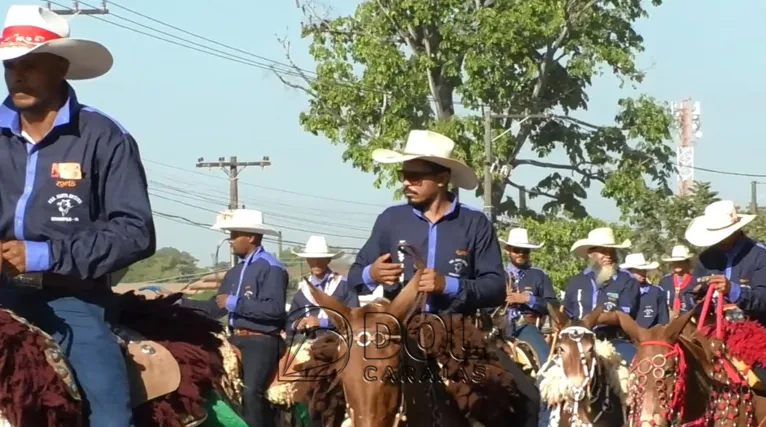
pixel 657 366
pixel 734 390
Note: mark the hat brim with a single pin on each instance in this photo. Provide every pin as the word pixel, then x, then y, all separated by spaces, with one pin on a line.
pixel 254 229
pixel 698 234
pixel 461 174
pixel 648 266
pixel 521 245
pixel 677 259
pixel 87 59
pixel 318 255
pixel 581 247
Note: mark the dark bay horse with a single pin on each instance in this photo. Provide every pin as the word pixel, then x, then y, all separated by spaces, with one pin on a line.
pixel 387 366
pixel 585 382
pixel 173 355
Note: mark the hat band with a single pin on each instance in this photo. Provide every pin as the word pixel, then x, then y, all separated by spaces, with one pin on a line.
pixel 718 227
pixel 26 35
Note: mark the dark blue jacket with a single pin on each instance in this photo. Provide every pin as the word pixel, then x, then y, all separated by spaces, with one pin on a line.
pixel 620 292
pixel 78 198
pixel 536 283
pixel 669 289
pixel 342 292
pixel 462 246
pixel 745 266
pixel 256 295
pixel 653 306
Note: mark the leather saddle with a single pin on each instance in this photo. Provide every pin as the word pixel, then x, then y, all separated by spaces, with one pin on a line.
pixel 152 369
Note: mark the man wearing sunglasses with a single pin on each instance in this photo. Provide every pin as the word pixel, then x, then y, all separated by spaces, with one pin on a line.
pixel 464 268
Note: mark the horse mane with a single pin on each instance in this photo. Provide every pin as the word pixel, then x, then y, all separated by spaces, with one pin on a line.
pixel 325 395
pixel 191 339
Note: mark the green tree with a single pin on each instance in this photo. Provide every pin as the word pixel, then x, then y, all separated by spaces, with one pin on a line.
pixel 559 234
pixel 165 263
pixel 393 66
pixel 659 221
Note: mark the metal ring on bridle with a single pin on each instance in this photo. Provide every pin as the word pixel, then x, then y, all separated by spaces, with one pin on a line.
pixel 368 337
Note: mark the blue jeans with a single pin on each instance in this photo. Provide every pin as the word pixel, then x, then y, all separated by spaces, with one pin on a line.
pixel 531 335
pixel 626 349
pixel 80 327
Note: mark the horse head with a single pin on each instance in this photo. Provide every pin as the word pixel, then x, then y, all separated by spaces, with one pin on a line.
pixel 372 342
pixel 661 381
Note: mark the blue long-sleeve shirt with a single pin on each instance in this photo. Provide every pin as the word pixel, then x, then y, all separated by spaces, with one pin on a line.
pixel 653 306
pixel 256 296
pixel 620 292
pixel 535 283
pixel 745 266
pixel 300 303
pixel 462 246
pixel 77 198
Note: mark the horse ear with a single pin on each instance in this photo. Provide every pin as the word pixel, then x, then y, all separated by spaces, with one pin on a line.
pixel 338 312
pixel 591 319
pixel 558 318
pixel 630 326
pixel 676 326
pixel 402 303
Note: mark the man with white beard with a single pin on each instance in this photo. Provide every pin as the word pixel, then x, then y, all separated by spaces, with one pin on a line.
pixel 603 284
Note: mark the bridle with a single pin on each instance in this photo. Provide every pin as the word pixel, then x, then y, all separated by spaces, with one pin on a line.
pixel 589 386
pixel 655 368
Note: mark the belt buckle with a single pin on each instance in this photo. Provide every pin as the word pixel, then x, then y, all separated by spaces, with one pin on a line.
pixel 28 280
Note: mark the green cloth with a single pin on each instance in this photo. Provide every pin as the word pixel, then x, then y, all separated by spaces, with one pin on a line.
pixel 301 415
pixel 221 414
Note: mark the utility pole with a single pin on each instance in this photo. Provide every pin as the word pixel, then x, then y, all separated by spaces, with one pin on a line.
pixel 76 10
pixel 488 211
pixel 687 115
pixel 754 197
pixel 233 168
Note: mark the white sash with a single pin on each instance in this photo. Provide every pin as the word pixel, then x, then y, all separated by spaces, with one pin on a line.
pixel 332 286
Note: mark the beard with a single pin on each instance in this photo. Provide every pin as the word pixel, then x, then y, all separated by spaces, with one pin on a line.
pixel 603 273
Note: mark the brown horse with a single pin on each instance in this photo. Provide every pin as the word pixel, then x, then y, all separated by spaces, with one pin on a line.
pixel 668 373
pixel 585 383
pixel 173 356
pixel 389 368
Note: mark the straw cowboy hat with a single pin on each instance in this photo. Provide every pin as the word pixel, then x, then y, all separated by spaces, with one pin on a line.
pixel 519 238
pixel 638 262
pixel 598 238
pixel 719 222
pixel 431 147
pixel 34 29
pixel 316 247
pixel 678 253
pixel 244 220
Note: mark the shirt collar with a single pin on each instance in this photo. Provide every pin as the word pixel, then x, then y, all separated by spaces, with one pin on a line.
pixel 317 282
pixel 251 256
pixel 644 288
pixel 515 270
pixel 9 115
pixel 589 272
pixel 451 197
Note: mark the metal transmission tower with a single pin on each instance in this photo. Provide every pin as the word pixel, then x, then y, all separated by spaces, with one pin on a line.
pixel 687 116
pixel 233 168
pixel 76 10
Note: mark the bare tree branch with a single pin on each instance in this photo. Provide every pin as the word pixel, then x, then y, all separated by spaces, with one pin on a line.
pixel 533 191
pixel 575 168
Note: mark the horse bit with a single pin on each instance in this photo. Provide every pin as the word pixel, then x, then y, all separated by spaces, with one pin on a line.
pixel 576 334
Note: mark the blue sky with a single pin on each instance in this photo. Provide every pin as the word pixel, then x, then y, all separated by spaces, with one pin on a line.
pixel 181 105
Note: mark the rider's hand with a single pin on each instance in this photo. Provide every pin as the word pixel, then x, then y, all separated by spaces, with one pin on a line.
pixel 431 282
pixel 720 283
pixel 220 300
pixel 517 298
pixel 309 322
pixel 15 257
pixel 384 271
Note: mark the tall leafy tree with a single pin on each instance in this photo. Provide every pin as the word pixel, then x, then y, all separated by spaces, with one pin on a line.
pixel 392 66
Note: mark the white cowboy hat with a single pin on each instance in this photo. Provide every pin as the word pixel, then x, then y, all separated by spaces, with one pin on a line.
pixel 434 148
pixel 34 29
pixel 678 253
pixel 519 238
pixel 719 222
pixel 244 220
pixel 638 262
pixel 316 247
pixel 598 238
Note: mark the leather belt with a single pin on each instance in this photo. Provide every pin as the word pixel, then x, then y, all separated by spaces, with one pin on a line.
pixel 54 282
pixel 248 333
